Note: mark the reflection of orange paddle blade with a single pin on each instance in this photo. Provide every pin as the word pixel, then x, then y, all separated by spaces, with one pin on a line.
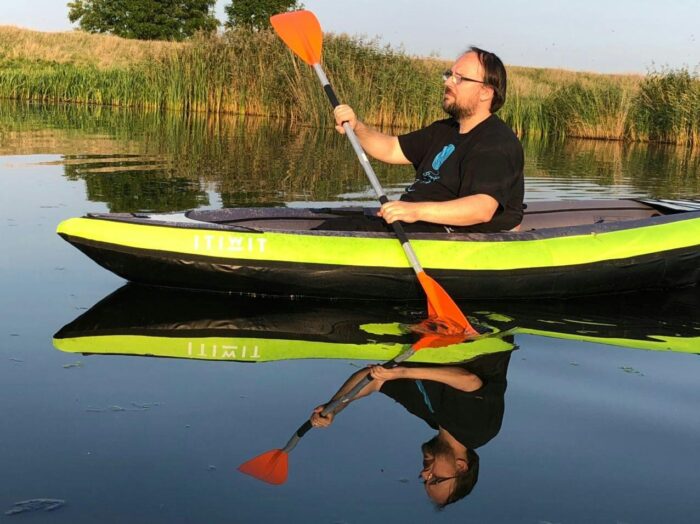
pixel 301 32
pixel 437 341
pixel 270 467
pixel 442 308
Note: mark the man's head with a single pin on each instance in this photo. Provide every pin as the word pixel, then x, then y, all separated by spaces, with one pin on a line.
pixel 476 84
pixel 447 476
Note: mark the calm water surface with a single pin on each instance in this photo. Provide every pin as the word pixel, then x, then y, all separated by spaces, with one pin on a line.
pixel 592 431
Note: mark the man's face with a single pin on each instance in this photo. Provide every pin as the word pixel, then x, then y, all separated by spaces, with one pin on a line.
pixel 461 99
pixel 439 468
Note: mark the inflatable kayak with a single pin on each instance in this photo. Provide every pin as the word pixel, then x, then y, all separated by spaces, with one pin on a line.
pixel 136 320
pixel 562 249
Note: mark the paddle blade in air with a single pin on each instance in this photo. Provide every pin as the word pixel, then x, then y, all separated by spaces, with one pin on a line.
pixel 270 467
pixel 443 309
pixel 301 32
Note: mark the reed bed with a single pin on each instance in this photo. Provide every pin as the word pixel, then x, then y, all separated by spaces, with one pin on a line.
pixel 241 72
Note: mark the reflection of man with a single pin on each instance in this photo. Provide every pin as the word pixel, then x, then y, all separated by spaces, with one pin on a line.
pixel 469 167
pixel 463 402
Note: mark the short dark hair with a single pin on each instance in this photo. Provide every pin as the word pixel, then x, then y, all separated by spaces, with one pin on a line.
pixel 464 483
pixel 494 75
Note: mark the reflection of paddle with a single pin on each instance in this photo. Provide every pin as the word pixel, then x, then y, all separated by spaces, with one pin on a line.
pixel 301 32
pixel 272 466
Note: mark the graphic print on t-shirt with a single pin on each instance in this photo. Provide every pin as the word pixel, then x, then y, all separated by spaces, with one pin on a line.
pixel 430 176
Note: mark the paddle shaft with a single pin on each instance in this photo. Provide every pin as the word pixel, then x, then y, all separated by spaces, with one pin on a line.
pixel 332 406
pixel 369 171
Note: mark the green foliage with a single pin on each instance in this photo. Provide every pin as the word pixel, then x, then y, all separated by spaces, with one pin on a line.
pixel 144 19
pixel 255 14
pixel 245 71
pixel 592 111
pixel 668 107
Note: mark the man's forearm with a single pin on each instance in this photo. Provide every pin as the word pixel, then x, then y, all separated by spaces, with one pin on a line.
pixel 453 376
pixel 465 211
pixel 379 145
pixel 350 383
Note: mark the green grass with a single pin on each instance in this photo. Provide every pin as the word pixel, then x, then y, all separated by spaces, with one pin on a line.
pixel 667 108
pixel 254 73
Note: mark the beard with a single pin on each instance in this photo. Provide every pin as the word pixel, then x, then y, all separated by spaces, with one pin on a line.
pixel 456 111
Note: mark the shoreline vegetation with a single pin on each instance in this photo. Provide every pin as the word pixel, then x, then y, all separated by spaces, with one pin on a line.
pixel 253 73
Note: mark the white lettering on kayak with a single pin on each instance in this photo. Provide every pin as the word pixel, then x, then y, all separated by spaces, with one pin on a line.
pixel 227 351
pixel 223 243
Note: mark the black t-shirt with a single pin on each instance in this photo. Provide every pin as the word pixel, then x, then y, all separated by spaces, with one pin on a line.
pixel 488 159
pixel 472 418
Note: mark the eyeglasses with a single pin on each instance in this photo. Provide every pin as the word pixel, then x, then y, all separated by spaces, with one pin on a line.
pixel 458 79
pixel 434 480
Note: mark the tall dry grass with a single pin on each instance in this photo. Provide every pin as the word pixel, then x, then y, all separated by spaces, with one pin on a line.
pixel 78 48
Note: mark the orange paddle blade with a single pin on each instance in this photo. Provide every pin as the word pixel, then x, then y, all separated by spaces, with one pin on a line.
pixel 301 32
pixel 443 309
pixel 438 341
pixel 270 467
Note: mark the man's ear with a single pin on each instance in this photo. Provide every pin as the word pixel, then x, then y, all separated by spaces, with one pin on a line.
pixel 487 93
pixel 461 465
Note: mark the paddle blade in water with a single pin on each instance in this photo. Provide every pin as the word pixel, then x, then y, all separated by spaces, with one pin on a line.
pixel 301 32
pixel 437 341
pixel 270 467
pixel 443 309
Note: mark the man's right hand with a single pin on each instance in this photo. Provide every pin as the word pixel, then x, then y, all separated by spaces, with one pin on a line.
pixel 344 113
pixel 317 421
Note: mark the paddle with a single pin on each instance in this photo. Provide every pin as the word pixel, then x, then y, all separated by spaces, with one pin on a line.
pixel 272 466
pixel 301 32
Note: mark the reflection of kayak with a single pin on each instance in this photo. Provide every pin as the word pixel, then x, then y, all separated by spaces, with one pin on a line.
pixel 652 320
pixel 169 323
pixel 563 249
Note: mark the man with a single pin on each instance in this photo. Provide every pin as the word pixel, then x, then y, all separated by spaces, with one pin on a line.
pixel 469 167
pixel 463 402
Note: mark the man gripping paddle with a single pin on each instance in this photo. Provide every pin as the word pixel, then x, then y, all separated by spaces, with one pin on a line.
pixel 469 167
pixel 463 402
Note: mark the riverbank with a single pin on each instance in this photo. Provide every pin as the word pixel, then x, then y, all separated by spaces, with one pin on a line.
pixel 253 73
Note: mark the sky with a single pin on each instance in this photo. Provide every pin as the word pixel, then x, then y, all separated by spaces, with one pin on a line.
pixel 606 36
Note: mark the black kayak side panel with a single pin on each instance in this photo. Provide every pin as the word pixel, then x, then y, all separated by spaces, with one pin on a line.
pixel 664 270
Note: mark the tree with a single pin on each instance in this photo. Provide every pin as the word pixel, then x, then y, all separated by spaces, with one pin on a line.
pixel 144 19
pixel 255 14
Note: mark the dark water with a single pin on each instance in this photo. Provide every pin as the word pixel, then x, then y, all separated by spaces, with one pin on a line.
pixel 601 409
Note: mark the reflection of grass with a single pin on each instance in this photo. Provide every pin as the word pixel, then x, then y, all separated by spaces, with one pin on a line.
pixel 165 160
pixel 253 73
pixel 157 161
pixel 661 170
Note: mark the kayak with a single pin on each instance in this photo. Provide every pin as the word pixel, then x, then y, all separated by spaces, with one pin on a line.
pixel 140 321
pixel 562 249
pixel 136 320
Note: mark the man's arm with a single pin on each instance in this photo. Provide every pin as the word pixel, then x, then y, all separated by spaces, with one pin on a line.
pixel 464 211
pixel 453 376
pixel 318 421
pixel 377 144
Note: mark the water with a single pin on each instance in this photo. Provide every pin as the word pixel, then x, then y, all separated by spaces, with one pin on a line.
pixel 592 431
